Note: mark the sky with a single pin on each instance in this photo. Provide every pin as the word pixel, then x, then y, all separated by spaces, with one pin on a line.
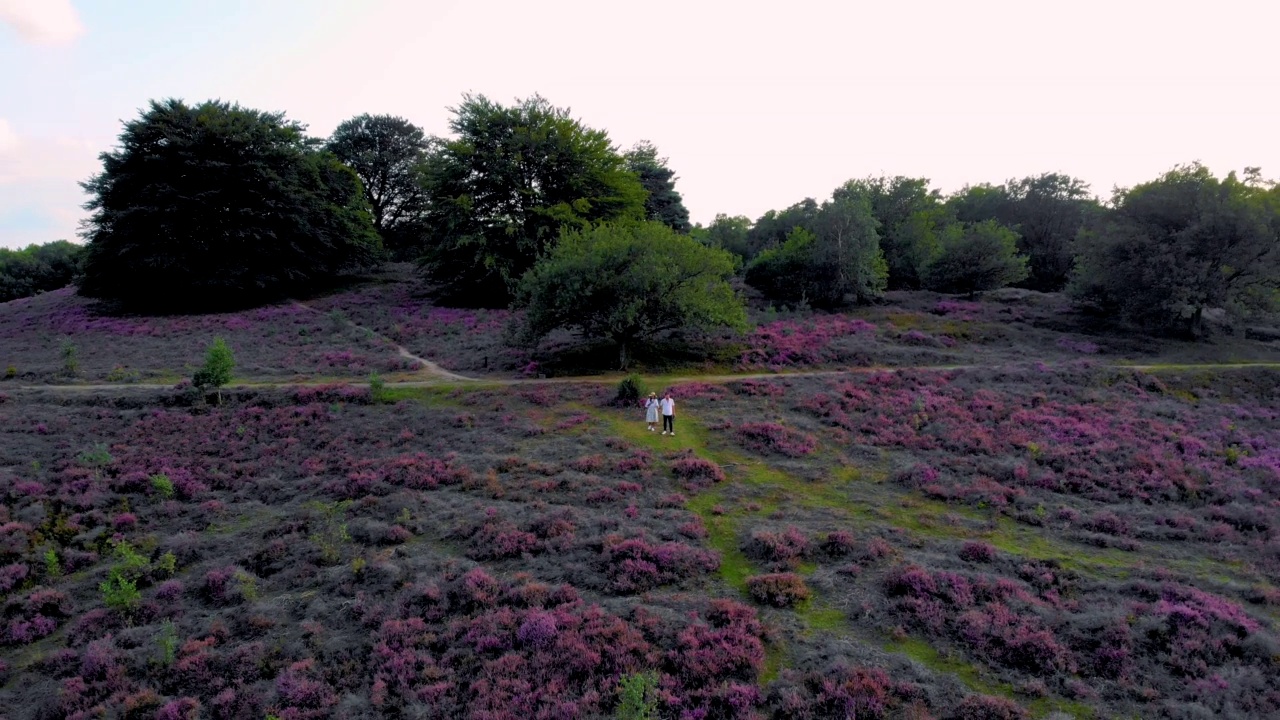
pixel 757 105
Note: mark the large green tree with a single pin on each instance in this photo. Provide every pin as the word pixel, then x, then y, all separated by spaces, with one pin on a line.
pixel 728 233
pixel 626 281
pixel 1047 211
pixel 825 259
pixel 973 257
pixel 773 228
pixel 910 219
pixel 387 153
pixel 664 203
pixel 503 189
pixel 38 268
pixel 216 204
pixel 1186 242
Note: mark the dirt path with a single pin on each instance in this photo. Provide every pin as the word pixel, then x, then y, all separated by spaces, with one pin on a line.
pixel 428 367
pixel 433 375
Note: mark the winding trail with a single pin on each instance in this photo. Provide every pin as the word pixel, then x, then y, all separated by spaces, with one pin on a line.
pixel 427 366
pixel 431 374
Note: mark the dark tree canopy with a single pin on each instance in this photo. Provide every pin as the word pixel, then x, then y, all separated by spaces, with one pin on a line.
pixel 773 228
pixel 973 257
pixel 910 218
pixel 664 204
pixel 507 185
pixel 38 268
pixel 826 258
pixel 728 233
pixel 624 282
pixel 387 153
pixel 1174 247
pixel 1047 211
pixel 216 204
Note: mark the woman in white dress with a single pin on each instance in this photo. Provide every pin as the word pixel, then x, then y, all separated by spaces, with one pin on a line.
pixel 651 412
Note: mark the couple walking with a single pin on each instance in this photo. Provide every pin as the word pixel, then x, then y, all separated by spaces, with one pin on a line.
pixel 667 407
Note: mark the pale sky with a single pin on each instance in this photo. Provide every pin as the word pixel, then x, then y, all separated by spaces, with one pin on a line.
pixel 756 104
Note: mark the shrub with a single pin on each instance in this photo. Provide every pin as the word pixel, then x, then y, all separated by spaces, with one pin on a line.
pixel 630 389
pixel 977 552
pixel 784 548
pixel 218 363
pixel 120 594
pixel 838 543
pixel 635 565
pixel 162 485
pixel 778 589
pixel 699 472
pixel 637 696
pixel 988 707
pixel 770 438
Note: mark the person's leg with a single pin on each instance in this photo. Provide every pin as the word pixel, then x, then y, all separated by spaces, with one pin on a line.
pixel 666 424
pixel 671 420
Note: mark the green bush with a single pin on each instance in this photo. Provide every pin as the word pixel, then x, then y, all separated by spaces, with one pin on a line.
pixel 630 389
pixel 120 593
pixel 637 696
pixel 162 485
pixel 218 363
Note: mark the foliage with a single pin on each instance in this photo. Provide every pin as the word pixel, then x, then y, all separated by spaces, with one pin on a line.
pixel 637 693
pixel 975 257
pixel 218 364
pixel 910 219
pixel 38 268
pixel 631 390
pixel 782 590
pixel 1047 211
pixel 1173 248
pixel 506 186
pixel 834 255
pixel 70 358
pixel 387 153
pixel 162 485
pixel 627 282
pixel 664 203
pixel 772 229
pixel 216 204
pixel 729 233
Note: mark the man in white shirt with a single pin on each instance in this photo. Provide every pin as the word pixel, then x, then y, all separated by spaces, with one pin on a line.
pixel 668 414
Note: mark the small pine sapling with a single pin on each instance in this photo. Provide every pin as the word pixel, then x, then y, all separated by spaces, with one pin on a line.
pixel 637 696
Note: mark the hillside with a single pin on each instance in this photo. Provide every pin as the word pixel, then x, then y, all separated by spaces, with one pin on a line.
pixel 931 508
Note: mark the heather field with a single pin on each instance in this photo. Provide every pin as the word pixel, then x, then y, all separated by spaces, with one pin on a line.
pixel 1001 523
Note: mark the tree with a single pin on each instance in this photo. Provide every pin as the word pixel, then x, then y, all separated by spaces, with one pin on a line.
pixel 218 364
pixel 1176 246
pixel 772 228
pixel 38 268
pixel 833 255
pixel 664 204
pixel 1047 211
pixel 501 192
pixel 975 256
pixel 216 205
pixel 729 233
pixel 386 152
pixel 910 218
pixel 624 281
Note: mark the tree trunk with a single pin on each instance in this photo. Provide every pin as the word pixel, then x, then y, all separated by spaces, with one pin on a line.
pixel 622 354
pixel 1197 324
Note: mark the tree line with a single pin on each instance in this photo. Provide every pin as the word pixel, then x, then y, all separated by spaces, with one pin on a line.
pixel 525 205
pixel 38 268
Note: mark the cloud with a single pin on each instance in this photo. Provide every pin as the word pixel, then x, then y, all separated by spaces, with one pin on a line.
pixel 39 178
pixel 8 138
pixel 42 22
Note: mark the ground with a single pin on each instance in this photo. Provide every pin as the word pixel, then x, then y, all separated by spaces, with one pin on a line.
pixel 932 508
